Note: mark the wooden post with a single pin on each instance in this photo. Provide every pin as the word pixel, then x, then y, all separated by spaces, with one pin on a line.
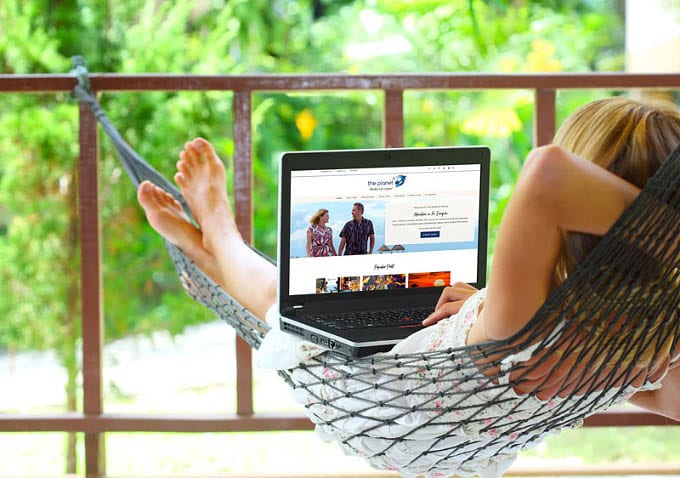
pixel 91 289
pixel 243 189
pixel 393 120
pixel 544 117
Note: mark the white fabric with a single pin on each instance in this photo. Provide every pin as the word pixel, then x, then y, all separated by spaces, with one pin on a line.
pixel 481 446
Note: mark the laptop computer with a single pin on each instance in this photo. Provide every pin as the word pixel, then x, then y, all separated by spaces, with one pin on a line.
pixel 428 215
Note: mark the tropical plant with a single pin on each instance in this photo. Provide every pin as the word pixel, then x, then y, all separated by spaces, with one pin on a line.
pixel 39 245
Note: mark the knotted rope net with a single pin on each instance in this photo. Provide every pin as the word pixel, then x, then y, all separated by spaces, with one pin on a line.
pixel 611 328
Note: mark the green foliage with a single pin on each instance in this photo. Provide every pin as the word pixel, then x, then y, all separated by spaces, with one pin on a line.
pixel 27 45
pixel 38 246
pixel 275 115
pixel 38 228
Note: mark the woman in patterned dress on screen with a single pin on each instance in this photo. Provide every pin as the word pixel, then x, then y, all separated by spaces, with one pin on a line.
pixel 320 236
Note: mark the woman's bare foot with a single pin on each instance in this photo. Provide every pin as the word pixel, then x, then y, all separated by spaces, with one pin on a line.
pixel 166 216
pixel 202 179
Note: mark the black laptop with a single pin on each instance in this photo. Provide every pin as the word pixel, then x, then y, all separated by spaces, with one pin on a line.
pixel 423 227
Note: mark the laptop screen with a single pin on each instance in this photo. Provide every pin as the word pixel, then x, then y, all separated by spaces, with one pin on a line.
pixel 363 229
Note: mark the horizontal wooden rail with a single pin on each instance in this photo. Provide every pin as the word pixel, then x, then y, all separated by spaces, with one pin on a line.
pixel 182 423
pixel 525 471
pixel 658 469
pixel 567 470
pixel 321 82
pixel 202 423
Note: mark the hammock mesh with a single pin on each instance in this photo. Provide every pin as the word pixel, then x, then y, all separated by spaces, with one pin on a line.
pixel 607 330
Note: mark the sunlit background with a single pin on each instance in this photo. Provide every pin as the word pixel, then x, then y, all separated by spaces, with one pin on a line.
pixel 165 353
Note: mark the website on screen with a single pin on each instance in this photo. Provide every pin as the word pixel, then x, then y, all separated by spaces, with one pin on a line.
pixel 397 227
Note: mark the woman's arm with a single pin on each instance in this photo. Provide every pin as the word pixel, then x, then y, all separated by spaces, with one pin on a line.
pixel 341 248
pixel 332 245
pixel 556 191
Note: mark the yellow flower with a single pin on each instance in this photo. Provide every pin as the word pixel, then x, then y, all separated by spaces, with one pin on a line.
pixel 541 58
pixel 508 65
pixel 494 122
pixel 306 123
pixel 354 69
pixel 543 47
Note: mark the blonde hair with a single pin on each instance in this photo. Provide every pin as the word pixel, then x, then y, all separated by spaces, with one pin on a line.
pixel 630 138
pixel 316 218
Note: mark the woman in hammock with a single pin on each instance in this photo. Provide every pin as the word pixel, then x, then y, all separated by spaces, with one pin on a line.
pixel 567 193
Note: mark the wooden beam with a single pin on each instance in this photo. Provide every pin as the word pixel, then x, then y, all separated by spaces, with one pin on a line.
pixel 326 82
pixel 91 280
pixel 180 423
pixel 393 119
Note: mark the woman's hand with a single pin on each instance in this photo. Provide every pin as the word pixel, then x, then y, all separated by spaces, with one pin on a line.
pixel 450 302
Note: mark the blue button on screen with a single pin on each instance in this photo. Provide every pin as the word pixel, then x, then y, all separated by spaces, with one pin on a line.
pixel 425 234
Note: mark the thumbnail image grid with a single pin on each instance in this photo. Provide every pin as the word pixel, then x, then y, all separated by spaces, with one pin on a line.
pixel 330 285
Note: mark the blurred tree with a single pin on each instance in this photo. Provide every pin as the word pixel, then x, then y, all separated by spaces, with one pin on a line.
pixel 39 279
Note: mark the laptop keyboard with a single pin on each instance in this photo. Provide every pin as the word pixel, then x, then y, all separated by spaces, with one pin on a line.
pixel 378 318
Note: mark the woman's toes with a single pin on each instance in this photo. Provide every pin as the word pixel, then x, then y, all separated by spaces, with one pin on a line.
pixel 207 151
pixel 179 179
pixel 163 198
pixel 145 192
pixel 202 146
pixel 192 153
pixel 184 168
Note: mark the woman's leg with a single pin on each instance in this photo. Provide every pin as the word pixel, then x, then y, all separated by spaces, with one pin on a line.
pixel 246 276
pixel 556 191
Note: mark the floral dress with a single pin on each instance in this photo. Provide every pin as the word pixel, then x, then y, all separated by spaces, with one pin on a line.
pixel 483 450
pixel 321 240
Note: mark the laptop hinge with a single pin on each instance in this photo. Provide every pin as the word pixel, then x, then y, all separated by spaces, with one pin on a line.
pixel 292 309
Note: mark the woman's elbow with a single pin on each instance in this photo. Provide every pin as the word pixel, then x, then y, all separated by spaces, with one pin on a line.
pixel 544 173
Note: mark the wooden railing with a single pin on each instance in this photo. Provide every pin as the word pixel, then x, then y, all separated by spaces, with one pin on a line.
pixel 94 421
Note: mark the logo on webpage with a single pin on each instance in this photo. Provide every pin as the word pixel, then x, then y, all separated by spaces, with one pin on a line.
pixel 387 184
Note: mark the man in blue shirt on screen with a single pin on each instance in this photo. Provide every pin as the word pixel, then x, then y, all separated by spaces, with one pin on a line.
pixel 356 234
